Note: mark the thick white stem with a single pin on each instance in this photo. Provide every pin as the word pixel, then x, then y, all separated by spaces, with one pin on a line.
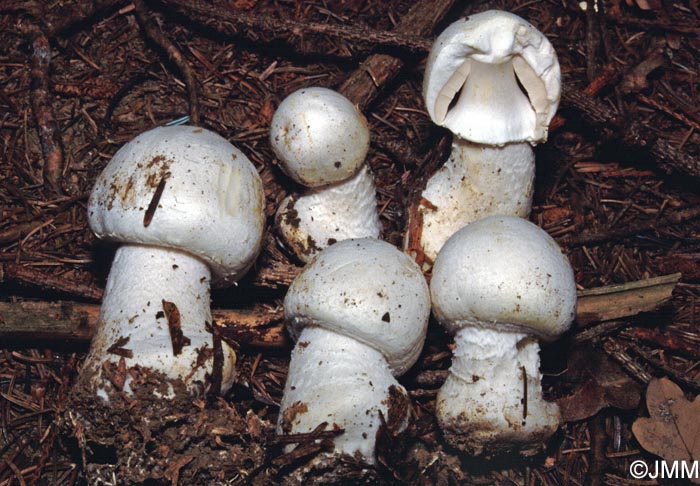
pixel 476 181
pixel 331 213
pixel 151 291
pixel 336 379
pixel 492 402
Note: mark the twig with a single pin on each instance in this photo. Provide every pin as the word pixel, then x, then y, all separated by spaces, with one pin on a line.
pixel 154 33
pixel 592 42
pixel 656 363
pixel 246 24
pixel 49 133
pixel 318 433
pixel 599 439
pixel 72 322
pixel 597 331
pixel 18 231
pixel 10 272
pixel 366 82
pixel 661 107
pixel 613 349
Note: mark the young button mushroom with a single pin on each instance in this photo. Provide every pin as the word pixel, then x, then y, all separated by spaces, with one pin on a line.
pixel 498 285
pixel 187 207
pixel 494 81
pixel 359 313
pixel 322 141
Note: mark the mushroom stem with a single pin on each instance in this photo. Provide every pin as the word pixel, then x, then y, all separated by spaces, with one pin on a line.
pixel 336 379
pixel 154 313
pixel 476 181
pixel 492 402
pixel 330 213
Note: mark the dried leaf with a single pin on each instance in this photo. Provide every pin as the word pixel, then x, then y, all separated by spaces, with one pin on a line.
pixel 585 402
pixel 602 384
pixel 672 430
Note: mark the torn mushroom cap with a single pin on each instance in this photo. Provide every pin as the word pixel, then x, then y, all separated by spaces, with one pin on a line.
pixel 481 56
pixel 368 290
pixel 319 136
pixel 503 272
pixel 184 188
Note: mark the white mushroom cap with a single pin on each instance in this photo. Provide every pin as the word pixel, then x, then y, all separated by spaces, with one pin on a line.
pixel 368 290
pixel 503 272
pixel 319 136
pixel 481 56
pixel 211 203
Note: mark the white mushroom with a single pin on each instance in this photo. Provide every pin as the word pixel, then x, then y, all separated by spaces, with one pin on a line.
pixel 186 205
pixel 494 81
pixel 359 313
pixel 498 285
pixel 322 141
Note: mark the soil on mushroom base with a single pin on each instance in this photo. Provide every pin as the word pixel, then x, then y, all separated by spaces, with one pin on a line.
pixel 144 439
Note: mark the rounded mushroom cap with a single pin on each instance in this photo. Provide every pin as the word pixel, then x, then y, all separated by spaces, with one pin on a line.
pixel 185 188
pixel 503 272
pixel 368 290
pixel 480 57
pixel 319 136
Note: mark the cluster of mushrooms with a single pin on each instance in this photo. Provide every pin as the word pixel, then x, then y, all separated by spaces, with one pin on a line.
pixel 187 208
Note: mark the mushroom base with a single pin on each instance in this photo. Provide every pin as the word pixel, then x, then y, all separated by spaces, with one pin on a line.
pixel 491 403
pixel 155 314
pixel 142 439
pixel 314 221
pixel 346 384
pixel 476 181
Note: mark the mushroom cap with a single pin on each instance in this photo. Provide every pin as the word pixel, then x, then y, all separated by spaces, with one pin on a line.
pixel 211 204
pixel 503 272
pixel 368 290
pixel 481 56
pixel 319 136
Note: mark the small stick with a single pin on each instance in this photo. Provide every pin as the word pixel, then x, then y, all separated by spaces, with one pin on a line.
pixel 72 322
pixel 319 432
pixel 613 349
pixel 524 374
pixel 153 205
pixel 27 275
pixel 49 132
